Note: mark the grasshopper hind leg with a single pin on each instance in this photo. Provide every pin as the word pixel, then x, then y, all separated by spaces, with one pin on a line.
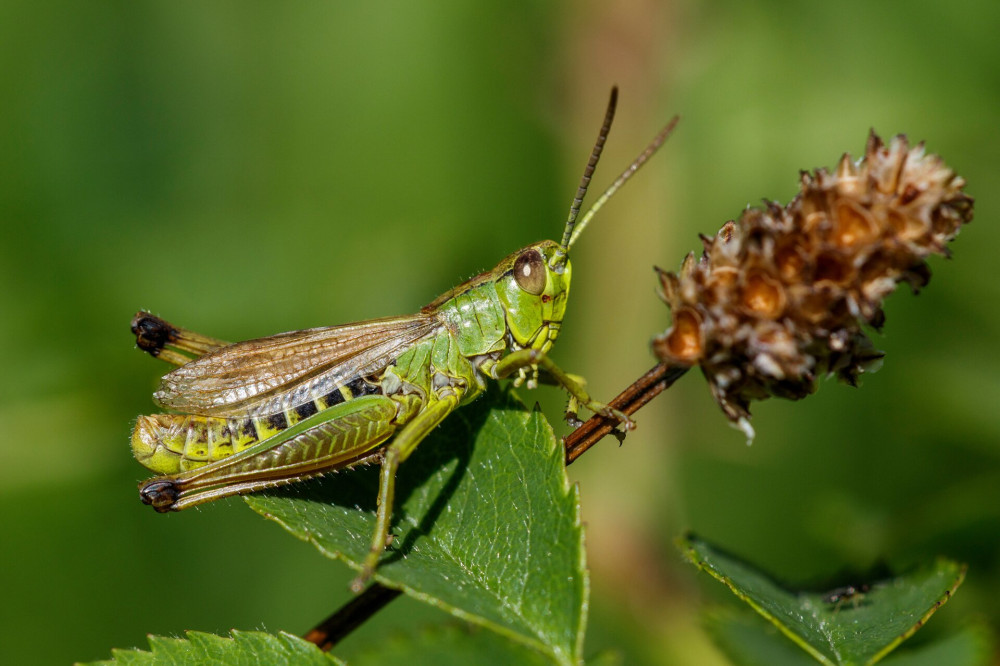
pixel 342 436
pixel 161 494
pixel 173 344
pixel 166 495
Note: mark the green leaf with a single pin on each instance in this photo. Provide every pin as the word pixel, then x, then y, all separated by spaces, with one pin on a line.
pixel 606 658
pixel 972 646
pixel 861 629
pixel 246 648
pixel 450 645
pixel 485 525
pixel 456 644
pixel 749 640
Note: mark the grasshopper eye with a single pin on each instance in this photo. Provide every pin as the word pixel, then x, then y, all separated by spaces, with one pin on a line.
pixel 529 271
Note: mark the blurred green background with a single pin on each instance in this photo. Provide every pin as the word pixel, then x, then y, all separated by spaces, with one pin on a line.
pixel 245 168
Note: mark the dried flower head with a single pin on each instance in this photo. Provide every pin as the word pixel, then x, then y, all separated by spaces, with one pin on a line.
pixel 778 298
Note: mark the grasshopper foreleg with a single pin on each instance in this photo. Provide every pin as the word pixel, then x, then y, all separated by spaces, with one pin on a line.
pixel 573 405
pixel 524 358
pixel 398 450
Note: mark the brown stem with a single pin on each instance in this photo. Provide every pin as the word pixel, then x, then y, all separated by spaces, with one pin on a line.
pixel 644 389
pixel 343 621
pixel 353 614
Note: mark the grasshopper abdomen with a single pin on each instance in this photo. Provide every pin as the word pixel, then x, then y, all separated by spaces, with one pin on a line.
pixel 174 443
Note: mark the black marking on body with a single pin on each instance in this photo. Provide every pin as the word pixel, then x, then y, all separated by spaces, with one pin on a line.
pixel 365 386
pixel 334 397
pixel 246 429
pixel 200 433
pixel 353 389
pixel 306 409
pixel 277 421
pixel 281 421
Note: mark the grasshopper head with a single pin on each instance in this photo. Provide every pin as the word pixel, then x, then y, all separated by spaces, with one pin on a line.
pixel 534 282
pixel 534 294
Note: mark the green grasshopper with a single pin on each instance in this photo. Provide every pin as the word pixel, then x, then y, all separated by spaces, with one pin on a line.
pixel 262 413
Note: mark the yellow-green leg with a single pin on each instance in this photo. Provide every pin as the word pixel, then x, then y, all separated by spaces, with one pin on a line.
pixel 398 450
pixel 345 433
pixel 573 406
pixel 523 358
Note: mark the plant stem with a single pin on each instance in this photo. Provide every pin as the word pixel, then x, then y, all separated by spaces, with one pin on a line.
pixel 644 389
pixel 350 616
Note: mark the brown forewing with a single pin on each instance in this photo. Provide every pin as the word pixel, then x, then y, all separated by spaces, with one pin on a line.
pixel 267 375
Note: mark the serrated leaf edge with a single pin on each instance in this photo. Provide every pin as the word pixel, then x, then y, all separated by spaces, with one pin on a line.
pixel 687 549
pixel 942 600
pixel 684 543
pixel 199 639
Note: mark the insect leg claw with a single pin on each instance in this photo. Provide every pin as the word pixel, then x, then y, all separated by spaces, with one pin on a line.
pixel 620 416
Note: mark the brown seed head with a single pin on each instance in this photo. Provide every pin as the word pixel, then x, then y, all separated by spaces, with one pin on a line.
pixel 779 297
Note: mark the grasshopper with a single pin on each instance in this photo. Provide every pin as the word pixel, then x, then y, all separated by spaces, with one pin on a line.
pixel 262 413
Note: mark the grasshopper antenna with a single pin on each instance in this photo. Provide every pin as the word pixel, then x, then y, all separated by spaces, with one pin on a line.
pixel 574 210
pixel 653 146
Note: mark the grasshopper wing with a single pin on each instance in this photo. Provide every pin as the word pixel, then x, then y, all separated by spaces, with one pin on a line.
pixel 267 375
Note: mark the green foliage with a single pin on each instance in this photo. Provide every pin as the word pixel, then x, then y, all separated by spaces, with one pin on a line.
pixel 449 645
pixel 853 630
pixel 749 640
pixel 444 645
pixel 249 168
pixel 486 526
pixel 246 648
pixel 970 646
